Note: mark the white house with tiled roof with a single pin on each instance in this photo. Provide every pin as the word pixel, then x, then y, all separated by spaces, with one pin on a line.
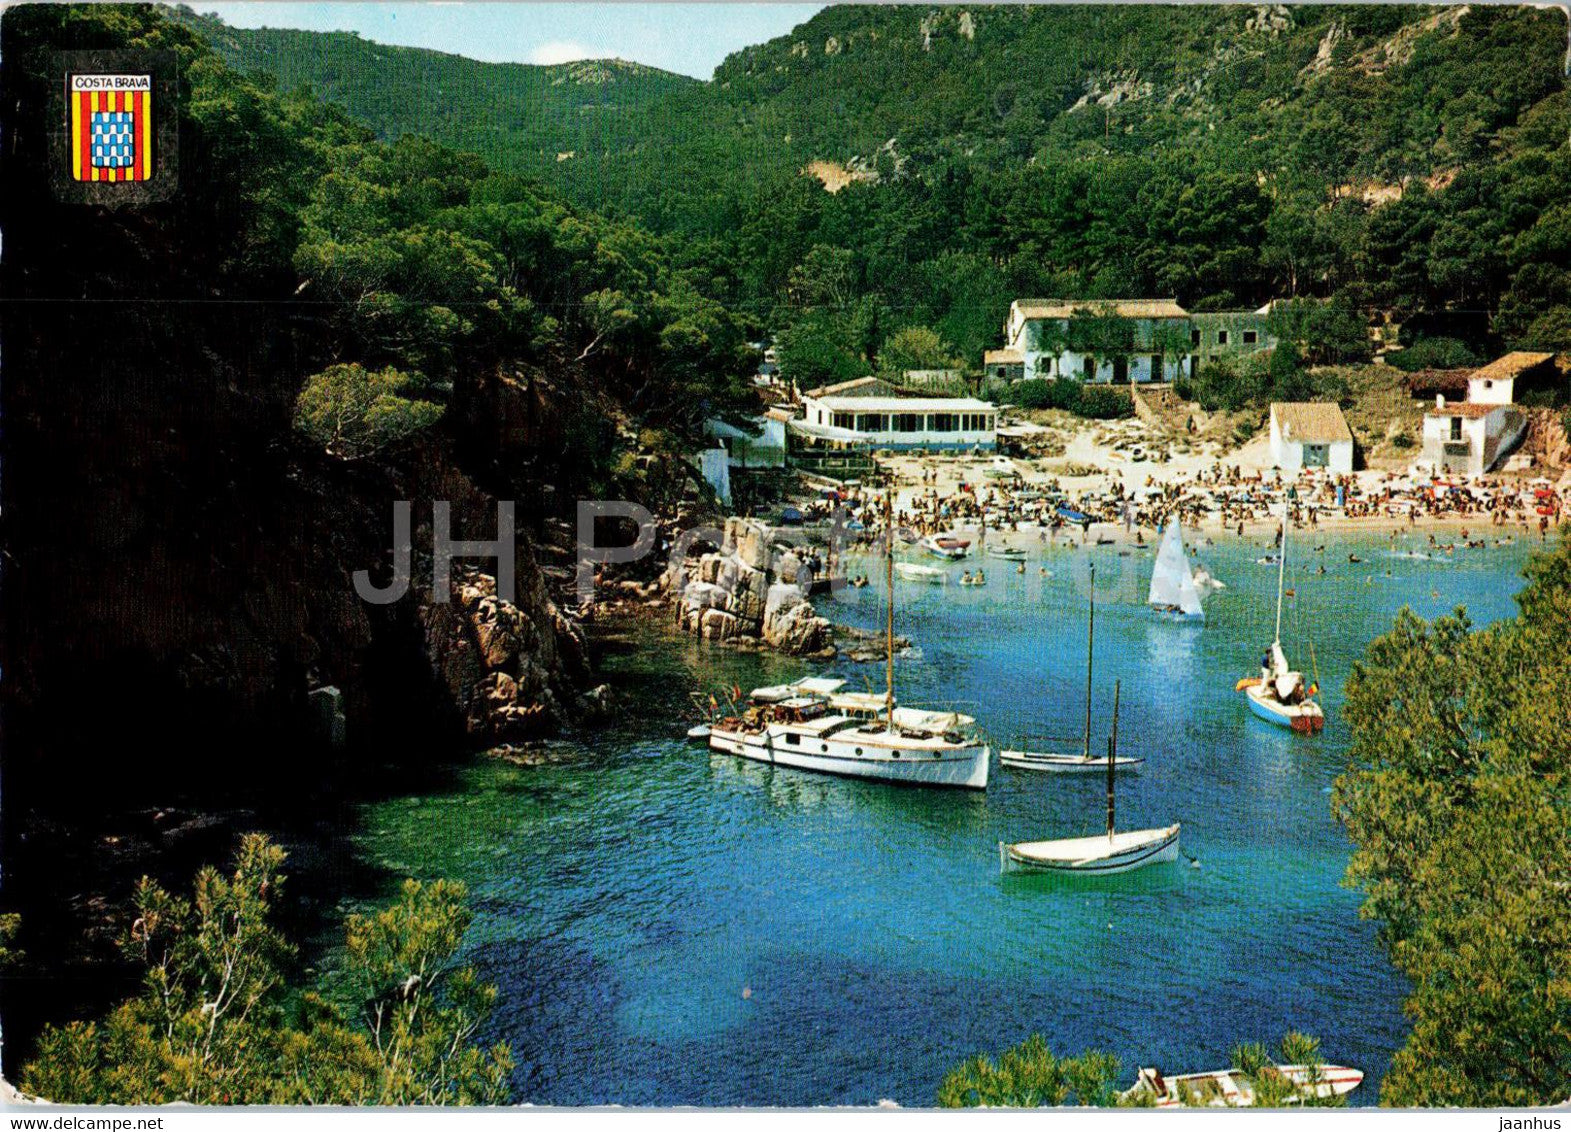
pixel 1473 436
pixel 1310 434
pixel 1161 340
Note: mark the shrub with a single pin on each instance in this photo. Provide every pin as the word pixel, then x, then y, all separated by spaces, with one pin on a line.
pixel 1030 1076
pixel 1434 353
pixel 1097 402
pixel 353 412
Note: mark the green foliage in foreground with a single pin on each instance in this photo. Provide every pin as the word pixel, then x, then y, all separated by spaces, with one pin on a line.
pixel 217 1022
pixel 1457 794
pixel 1030 1076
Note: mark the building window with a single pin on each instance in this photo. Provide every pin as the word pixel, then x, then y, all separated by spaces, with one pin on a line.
pixel 1088 367
pixel 1194 337
pixel 943 422
pixel 1221 338
pixel 872 422
pixel 1251 337
pixel 907 422
pixel 845 420
pixel 1456 428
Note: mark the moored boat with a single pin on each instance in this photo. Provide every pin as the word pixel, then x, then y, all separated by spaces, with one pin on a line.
pixel 916 572
pixel 1280 695
pixel 815 725
pixel 1008 553
pixel 1053 763
pixel 1023 759
pixel 1112 853
pixel 1098 854
pixel 950 549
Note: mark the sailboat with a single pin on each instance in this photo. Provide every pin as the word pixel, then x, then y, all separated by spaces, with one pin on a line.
pixel 1098 854
pixel 1278 695
pixel 819 728
pixel 1173 588
pixel 1085 761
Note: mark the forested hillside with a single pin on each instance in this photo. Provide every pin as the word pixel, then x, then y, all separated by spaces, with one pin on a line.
pixel 1404 158
pixel 520 118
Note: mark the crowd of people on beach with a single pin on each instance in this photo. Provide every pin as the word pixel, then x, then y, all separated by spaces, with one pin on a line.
pixel 1220 495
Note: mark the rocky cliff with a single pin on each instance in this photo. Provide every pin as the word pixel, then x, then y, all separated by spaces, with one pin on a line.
pixel 752 589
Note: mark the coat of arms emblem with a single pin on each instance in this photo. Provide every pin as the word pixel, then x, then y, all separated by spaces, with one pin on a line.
pixel 111 127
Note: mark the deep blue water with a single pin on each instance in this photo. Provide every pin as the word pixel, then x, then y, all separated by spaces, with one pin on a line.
pixel 673 927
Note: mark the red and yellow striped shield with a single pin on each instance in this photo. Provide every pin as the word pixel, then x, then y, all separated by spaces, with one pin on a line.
pixel 111 127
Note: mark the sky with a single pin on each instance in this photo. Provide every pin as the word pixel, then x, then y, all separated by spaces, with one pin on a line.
pixel 690 39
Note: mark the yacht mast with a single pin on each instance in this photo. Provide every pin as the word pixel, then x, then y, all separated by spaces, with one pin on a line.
pixel 1090 645
pixel 1281 573
pixel 1112 754
pixel 889 611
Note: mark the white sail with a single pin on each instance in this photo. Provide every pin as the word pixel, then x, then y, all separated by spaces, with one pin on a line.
pixel 1172 580
pixel 1189 595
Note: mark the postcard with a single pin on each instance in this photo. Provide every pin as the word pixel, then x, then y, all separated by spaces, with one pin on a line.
pixel 776 556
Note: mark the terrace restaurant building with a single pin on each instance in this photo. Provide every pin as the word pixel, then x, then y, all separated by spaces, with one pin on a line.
pixel 932 423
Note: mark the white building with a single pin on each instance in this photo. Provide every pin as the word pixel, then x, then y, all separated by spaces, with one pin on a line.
pixel 907 422
pixel 1470 438
pixel 1474 436
pixel 1149 340
pixel 763 446
pixel 1310 434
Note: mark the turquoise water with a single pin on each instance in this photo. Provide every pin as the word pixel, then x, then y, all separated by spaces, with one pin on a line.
pixel 673 927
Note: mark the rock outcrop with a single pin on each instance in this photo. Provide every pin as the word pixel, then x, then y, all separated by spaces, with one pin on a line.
pixel 750 590
pixel 503 666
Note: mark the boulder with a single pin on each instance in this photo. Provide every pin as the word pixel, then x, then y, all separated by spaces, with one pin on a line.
pixel 752 546
pixel 717 625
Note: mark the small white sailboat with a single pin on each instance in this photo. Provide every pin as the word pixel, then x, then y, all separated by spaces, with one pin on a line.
pixel 1231 1088
pixel 1279 695
pixel 1085 762
pixel 1173 588
pixel 1099 854
pixel 916 572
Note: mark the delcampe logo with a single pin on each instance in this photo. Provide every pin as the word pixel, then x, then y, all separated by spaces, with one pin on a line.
pixel 111 127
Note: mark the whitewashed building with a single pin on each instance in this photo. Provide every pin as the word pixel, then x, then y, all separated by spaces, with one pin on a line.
pixel 762 446
pixel 933 423
pixel 1158 340
pixel 1474 436
pixel 1310 434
